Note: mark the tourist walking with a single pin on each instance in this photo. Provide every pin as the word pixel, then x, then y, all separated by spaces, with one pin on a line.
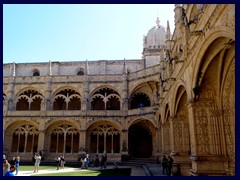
pixel 37 162
pixel 103 162
pixel 58 159
pixel 87 161
pixel 164 164
pixel 83 161
pixel 33 158
pixel 17 162
pixel 96 161
pixel 62 162
pixel 6 166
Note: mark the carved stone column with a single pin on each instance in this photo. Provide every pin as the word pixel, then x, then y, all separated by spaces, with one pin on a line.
pixel 48 94
pixel 82 143
pixel 124 142
pixel 10 94
pixel 125 92
pixel 204 161
pixel 158 141
pixel 180 144
pixel 166 138
pixel 85 101
pixel 41 137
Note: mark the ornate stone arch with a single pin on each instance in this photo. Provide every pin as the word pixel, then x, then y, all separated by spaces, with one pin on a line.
pixel 63 88
pixel 66 98
pixel 141 138
pixel 102 87
pixel 29 99
pixel 21 136
pixel 105 98
pixel 62 136
pixel 57 122
pixel 210 37
pixel 137 119
pixel 27 88
pixel 167 112
pixel 92 123
pixel 146 94
pixel 177 97
pixel 103 136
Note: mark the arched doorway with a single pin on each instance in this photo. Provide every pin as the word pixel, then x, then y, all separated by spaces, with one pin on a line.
pixel 140 140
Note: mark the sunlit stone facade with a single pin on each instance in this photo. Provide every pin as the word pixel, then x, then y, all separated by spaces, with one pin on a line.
pixel 179 99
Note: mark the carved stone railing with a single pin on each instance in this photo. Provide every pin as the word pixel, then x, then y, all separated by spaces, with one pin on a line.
pixel 80 113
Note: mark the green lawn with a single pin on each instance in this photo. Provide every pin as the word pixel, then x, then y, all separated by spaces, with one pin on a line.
pixel 89 172
pixel 104 172
pixel 29 168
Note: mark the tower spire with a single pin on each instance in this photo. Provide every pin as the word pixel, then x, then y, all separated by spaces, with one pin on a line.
pixel 124 66
pixel 14 69
pixel 158 22
pixel 87 67
pixel 168 34
pixel 50 68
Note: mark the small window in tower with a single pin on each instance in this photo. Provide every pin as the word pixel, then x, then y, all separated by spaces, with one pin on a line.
pixel 36 73
pixel 80 73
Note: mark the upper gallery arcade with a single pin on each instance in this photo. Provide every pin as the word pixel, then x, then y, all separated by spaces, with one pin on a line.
pixel 179 99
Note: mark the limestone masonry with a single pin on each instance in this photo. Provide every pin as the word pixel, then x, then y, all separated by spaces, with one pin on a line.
pixel 179 99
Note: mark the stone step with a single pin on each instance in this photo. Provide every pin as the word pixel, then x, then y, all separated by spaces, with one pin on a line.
pixel 143 160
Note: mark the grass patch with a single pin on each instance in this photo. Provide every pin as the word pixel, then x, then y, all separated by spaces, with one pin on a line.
pixel 43 167
pixel 104 172
pixel 89 172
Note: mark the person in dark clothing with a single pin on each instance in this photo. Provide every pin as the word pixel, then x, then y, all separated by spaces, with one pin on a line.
pixel 58 159
pixel 33 158
pixel 169 165
pixel 62 161
pixel 103 162
pixel 164 164
pixel 12 162
pixel 96 161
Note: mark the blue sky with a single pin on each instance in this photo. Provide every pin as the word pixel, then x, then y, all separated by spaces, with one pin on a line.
pixel 76 32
